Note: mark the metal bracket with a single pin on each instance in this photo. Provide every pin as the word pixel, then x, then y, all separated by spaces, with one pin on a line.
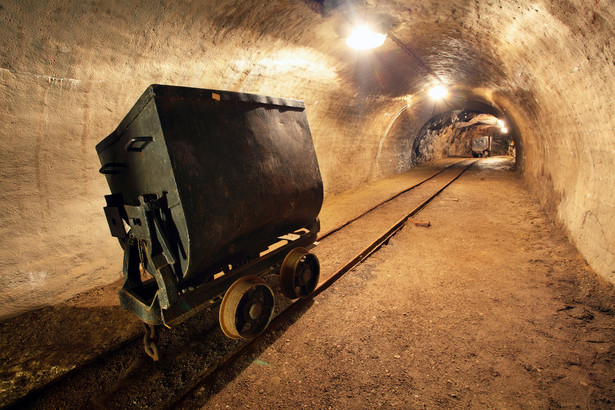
pixel 159 252
pixel 151 248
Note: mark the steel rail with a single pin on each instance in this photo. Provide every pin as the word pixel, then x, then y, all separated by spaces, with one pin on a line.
pixel 331 232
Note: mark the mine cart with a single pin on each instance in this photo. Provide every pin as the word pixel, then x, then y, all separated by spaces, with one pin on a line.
pixel 481 146
pixel 209 190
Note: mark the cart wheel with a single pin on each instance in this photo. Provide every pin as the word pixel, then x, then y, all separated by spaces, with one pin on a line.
pixel 299 274
pixel 247 308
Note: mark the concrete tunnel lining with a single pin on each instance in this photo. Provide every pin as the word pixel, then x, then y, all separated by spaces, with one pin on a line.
pixel 71 70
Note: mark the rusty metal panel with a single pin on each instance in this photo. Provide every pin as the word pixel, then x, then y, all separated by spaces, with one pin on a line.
pixel 204 176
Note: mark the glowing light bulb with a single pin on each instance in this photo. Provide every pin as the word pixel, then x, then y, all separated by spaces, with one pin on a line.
pixel 504 130
pixel 363 38
pixel 438 92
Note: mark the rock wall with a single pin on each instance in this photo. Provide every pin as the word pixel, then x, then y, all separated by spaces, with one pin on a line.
pixel 558 59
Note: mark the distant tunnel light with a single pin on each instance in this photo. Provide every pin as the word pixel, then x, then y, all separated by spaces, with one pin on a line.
pixel 362 38
pixel 502 126
pixel 438 92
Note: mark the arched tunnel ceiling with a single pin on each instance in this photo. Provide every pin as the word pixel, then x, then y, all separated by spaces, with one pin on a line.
pixel 70 70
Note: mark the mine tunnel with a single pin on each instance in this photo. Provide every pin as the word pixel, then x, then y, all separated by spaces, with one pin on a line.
pixel 532 79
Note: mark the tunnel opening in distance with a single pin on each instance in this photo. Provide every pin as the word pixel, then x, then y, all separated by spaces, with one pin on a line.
pixel 462 133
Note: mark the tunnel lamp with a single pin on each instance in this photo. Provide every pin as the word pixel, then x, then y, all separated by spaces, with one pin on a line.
pixel 362 38
pixel 438 92
pixel 502 126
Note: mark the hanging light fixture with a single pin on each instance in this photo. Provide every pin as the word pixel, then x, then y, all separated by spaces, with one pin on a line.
pixel 363 38
pixel 438 92
pixel 502 126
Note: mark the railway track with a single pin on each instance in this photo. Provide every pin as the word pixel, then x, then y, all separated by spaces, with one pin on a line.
pixel 193 353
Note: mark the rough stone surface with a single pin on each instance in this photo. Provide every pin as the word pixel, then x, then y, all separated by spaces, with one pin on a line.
pixel 70 70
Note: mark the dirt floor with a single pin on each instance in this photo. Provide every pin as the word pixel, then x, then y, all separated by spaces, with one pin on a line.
pixel 490 306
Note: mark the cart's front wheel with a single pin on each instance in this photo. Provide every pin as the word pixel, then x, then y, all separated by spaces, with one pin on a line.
pixel 247 308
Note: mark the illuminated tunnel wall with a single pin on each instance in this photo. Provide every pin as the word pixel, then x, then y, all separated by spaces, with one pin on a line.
pixel 70 70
